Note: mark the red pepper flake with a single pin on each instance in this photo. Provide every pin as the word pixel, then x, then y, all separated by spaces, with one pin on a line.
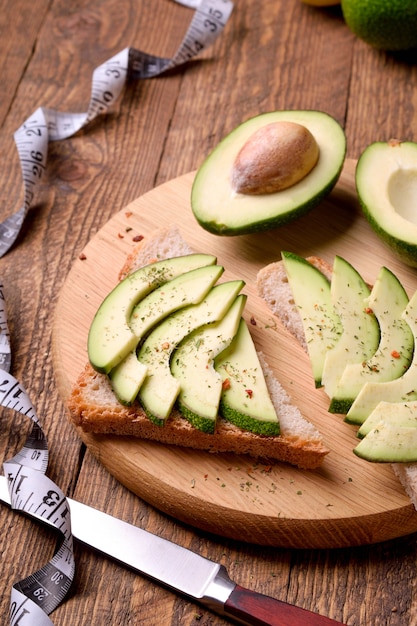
pixel 137 238
pixel 253 321
pixel 226 384
pixel 249 393
pixel 395 354
pixel 368 310
pixel 205 476
pixel 129 213
pixel 120 235
pixel 82 256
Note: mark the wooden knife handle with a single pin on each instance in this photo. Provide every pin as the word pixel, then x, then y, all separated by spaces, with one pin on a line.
pixel 254 609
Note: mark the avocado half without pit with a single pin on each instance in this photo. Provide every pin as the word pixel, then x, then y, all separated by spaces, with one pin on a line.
pixel 386 182
pixel 270 170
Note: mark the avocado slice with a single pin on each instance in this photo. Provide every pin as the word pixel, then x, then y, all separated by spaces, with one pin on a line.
pixel 394 413
pixel 160 389
pixel 402 389
pixel 223 211
pixel 245 399
pixel 110 337
pixel 311 292
pixel 187 288
pixel 360 337
pixel 192 364
pixel 386 176
pixel 388 443
pixel 387 302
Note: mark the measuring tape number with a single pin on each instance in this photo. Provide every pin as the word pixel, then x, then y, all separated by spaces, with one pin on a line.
pixel 32 492
pixel 108 80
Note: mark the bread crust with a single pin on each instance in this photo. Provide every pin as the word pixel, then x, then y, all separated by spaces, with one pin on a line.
pixel 93 409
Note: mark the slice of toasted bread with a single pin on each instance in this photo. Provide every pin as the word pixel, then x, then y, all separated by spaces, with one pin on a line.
pixel 274 288
pixel 94 408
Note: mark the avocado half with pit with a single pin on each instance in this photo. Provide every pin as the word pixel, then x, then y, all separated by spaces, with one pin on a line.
pixel 270 170
pixel 386 183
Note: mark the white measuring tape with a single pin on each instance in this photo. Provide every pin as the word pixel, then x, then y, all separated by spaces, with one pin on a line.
pixel 31 491
pixel 108 80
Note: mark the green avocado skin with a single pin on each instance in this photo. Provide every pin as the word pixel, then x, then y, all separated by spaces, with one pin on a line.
pixel 389 443
pixel 263 225
pixel 404 250
pixel 385 24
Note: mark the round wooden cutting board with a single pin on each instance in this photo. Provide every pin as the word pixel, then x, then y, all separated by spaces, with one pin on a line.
pixel 347 501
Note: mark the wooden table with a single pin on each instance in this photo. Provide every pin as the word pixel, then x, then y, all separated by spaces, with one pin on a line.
pixel 274 54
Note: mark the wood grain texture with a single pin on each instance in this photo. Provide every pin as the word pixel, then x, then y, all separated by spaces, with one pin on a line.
pixel 224 494
pixel 273 54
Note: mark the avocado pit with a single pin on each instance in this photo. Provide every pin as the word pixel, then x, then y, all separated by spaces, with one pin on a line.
pixel 275 157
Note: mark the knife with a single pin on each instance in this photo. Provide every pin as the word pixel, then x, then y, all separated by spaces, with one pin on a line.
pixel 180 569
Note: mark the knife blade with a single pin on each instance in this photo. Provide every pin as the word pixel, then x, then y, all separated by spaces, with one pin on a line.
pixel 181 570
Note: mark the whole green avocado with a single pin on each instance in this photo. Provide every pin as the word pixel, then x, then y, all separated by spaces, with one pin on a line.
pixel 386 24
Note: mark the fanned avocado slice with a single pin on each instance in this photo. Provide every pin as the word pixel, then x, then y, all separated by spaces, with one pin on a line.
pixel 360 337
pixel 187 288
pixel 387 302
pixel 110 337
pixel 192 364
pixel 311 292
pixel 160 389
pixel 245 399
pixel 402 389
pixel 389 443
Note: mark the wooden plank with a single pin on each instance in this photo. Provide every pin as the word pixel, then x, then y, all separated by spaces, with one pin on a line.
pixel 382 101
pixel 22 22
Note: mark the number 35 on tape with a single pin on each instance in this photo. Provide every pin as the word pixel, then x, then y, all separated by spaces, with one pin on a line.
pixel 108 80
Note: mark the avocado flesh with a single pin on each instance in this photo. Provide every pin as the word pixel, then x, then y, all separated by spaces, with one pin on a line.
pixel 386 182
pixel 110 338
pixel 245 399
pixel 187 288
pixel 311 293
pixel 192 364
pixel 388 443
pixel 360 336
pixel 402 389
pixel 394 413
pixel 220 210
pixel 127 378
pixel 160 389
pixel 387 301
